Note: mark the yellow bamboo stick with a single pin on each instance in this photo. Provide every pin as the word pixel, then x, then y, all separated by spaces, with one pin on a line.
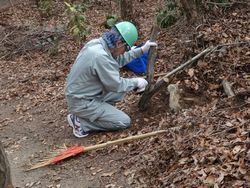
pixel 72 151
pixel 122 140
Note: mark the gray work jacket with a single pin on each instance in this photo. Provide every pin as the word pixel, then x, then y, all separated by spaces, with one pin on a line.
pixel 96 72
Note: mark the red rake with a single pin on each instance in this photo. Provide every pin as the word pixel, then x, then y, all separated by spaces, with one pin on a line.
pixel 72 151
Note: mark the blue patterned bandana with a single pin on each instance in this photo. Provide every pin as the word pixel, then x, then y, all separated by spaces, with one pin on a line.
pixel 111 37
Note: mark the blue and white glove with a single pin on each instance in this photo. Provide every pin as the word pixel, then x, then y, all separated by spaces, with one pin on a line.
pixel 147 45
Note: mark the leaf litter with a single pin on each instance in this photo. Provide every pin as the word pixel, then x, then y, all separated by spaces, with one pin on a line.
pixel 209 139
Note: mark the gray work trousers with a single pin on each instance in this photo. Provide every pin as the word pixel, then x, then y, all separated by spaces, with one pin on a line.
pixel 99 114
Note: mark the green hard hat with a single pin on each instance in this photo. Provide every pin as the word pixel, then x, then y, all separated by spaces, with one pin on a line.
pixel 128 32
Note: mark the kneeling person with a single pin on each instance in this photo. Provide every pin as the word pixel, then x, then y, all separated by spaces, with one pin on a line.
pixel 94 83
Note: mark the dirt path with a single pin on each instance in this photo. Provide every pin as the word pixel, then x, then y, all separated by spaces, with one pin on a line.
pixel 32 117
pixel 33 110
pixel 30 136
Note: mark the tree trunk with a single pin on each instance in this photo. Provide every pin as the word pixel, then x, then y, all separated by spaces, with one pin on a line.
pixel 5 178
pixel 126 8
pixel 150 70
pixel 190 9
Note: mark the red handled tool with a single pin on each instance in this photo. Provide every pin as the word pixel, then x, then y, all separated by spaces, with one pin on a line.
pixel 74 150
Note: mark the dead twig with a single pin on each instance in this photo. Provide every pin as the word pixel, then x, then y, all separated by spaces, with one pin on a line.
pixel 157 75
pixel 225 45
pixel 6 36
pixel 223 4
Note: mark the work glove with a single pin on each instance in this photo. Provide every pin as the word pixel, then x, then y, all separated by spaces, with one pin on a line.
pixel 141 85
pixel 147 45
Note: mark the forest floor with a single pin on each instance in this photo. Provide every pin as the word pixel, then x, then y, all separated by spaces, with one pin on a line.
pixel 208 140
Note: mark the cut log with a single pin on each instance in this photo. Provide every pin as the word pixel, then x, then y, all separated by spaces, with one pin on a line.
pixel 5 177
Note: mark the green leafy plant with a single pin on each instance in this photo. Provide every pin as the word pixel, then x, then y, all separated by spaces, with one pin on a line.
pixel 169 15
pixel 220 1
pixel 77 21
pixel 49 40
pixel 215 4
pixel 111 20
pixel 49 43
pixel 45 6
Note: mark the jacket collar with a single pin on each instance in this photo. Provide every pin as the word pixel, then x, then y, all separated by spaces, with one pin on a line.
pixel 105 46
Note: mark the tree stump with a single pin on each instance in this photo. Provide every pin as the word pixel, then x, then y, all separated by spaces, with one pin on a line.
pixel 5 177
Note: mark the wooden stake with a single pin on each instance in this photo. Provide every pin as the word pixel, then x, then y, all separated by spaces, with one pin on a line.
pixel 152 56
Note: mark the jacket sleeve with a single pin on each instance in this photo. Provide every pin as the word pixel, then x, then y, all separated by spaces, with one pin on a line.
pixel 107 70
pixel 129 56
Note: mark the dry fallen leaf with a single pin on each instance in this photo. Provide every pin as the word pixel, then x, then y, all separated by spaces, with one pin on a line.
pixel 236 149
pixel 211 180
pixel 108 174
pixel 191 72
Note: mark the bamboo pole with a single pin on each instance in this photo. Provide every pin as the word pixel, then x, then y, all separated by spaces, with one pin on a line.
pixel 74 150
pixel 122 140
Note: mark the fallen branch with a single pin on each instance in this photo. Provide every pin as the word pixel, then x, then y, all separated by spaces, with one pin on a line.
pixel 212 50
pixel 153 89
pixel 228 44
pixel 187 63
pixel 224 4
pixel 157 75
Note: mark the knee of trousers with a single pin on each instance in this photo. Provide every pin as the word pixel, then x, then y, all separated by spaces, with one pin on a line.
pixel 124 122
